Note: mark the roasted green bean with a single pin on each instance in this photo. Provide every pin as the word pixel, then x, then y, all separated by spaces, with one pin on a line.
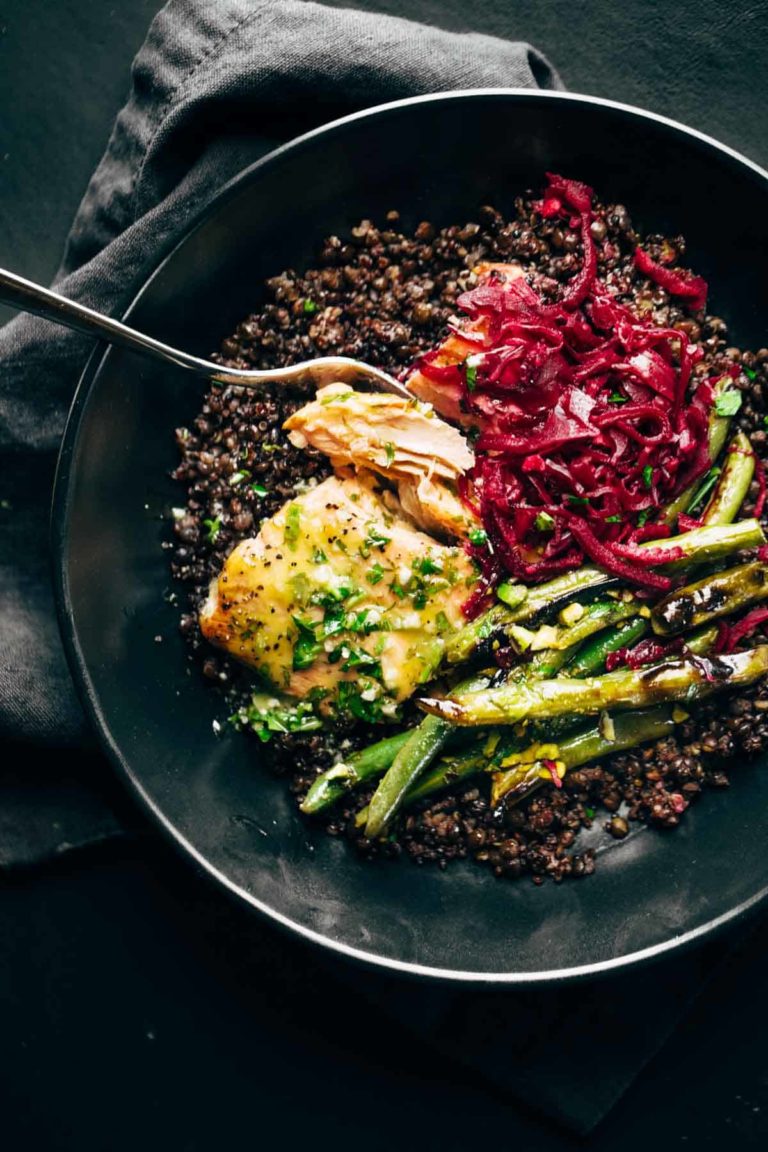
pixel 463 643
pixel 445 774
pixel 717 436
pixel 700 546
pixel 733 483
pixel 630 729
pixel 355 770
pixel 626 730
pixel 682 678
pixel 592 655
pixel 417 753
pixel 711 598
pixel 593 618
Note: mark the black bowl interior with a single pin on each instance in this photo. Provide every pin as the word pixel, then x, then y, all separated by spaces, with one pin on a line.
pixel 437 159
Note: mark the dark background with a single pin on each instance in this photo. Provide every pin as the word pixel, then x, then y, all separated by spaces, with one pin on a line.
pixel 137 1007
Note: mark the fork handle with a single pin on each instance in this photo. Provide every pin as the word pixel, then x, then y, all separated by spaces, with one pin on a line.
pixel 30 297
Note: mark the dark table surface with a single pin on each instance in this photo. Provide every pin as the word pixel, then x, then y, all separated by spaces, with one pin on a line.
pixel 140 1008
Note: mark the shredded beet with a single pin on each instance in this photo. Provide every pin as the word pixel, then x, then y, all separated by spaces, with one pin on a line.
pixel 676 281
pixel 551 767
pixel 646 652
pixel 729 635
pixel 688 523
pixel 586 425
pixel 760 478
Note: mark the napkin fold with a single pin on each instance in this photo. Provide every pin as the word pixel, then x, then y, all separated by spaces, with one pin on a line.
pixel 566 1051
pixel 215 87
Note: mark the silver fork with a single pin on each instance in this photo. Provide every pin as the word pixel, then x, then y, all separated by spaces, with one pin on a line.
pixel 30 297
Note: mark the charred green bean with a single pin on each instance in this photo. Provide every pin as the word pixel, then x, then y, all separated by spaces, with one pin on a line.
pixel 682 678
pixel 445 774
pixel 592 618
pixel 463 643
pixel 711 598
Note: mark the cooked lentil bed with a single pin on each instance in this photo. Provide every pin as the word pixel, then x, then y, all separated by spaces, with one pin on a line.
pixel 384 296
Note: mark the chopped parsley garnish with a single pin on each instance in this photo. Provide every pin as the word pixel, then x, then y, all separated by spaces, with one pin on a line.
pixel 375 539
pixel 336 398
pixel 470 374
pixel 617 398
pixel 398 590
pixel 442 622
pixel 307 648
pixel 589 813
pixel 544 522
pixel 366 620
pixel 238 477
pixel 728 402
pixel 266 715
pixel 333 620
pixel 577 499
pixel 350 699
pixel 292 525
pixel 648 475
pixel 615 519
pixel 358 658
pixel 478 537
pixel 213 527
pixel 389 449
pixel 331 598
pixel 420 600
pixel 709 482
pixel 258 489
pixel 511 594
pixel 427 566
pixel 319 557
pixel 643 517
pixel 310 307
pixel 750 374
pixel 375 574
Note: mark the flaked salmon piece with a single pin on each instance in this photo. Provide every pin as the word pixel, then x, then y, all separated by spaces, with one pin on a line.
pixel 435 507
pixel 394 436
pixel 402 440
pixel 444 397
pixel 336 590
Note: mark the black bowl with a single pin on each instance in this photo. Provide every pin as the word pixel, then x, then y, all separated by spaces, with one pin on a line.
pixel 439 158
